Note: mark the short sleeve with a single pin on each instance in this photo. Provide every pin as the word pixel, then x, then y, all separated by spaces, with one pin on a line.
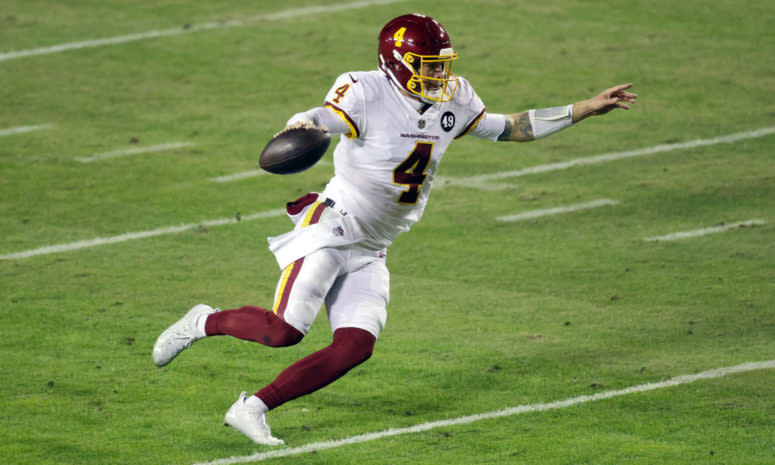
pixel 490 126
pixel 346 98
pixel 474 109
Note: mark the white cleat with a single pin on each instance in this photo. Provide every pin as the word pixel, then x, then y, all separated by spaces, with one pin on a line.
pixel 251 423
pixel 179 336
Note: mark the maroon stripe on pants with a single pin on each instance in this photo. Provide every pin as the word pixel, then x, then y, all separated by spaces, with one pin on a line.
pixel 288 286
pixel 317 214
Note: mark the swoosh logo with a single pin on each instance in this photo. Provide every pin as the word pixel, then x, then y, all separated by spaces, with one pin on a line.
pixel 352 78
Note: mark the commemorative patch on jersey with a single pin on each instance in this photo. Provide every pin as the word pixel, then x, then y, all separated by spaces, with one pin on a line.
pixel 447 121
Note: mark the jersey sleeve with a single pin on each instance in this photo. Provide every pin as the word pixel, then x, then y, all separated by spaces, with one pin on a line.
pixel 347 99
pixel 490 126
pixel 474 109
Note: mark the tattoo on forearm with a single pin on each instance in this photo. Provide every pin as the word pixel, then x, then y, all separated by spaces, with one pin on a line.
pixel 506 134
pixel 521 130
pixel 524 128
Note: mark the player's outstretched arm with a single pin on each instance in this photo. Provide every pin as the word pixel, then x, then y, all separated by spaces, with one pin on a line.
pixel 535 124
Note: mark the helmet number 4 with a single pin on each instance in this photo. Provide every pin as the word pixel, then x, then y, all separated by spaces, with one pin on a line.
pixel 411 172
pixel 399 37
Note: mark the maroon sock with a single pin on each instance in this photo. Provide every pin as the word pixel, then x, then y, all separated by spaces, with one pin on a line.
pixel 351 347
pixel 253 324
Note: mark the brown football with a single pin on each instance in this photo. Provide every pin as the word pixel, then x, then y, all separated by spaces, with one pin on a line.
pixel 294 151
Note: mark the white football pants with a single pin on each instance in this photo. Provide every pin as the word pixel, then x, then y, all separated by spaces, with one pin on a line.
pixel 353 281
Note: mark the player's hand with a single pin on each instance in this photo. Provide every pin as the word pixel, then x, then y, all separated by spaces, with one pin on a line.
pixel 615 97
pixel 301 124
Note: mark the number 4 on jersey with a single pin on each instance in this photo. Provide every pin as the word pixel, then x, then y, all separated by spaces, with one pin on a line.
pixel 340 91
pixel 411 172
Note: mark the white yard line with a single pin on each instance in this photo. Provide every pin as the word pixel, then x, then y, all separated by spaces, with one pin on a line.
pixel 556 211
pixel 139 235
pixel 519 410
pixel 704 231
pixel 23 129
pixel 253 173
pixel 285 14
pixel 134 151
pixel 482 181
pixel 240 175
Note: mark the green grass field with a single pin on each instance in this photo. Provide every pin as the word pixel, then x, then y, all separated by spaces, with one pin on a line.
pixel 484 314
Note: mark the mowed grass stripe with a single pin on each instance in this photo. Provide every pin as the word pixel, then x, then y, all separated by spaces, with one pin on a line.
pixel 519 410
pixel 704 231
pixel 285 14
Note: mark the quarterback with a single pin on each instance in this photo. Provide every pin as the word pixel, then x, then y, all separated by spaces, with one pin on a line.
pixel 395 123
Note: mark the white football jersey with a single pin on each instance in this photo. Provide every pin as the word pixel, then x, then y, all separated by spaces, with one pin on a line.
pixel 384 165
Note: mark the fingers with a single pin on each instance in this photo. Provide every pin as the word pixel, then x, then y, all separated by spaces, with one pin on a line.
pixel 619 91
pixel 619 88
pixel 617 95
pixel 291 127
pixel 300 125
pixel 624 98
pixel 628 96
pixel 618 103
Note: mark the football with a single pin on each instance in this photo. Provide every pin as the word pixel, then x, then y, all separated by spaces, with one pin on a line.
pixel 294 150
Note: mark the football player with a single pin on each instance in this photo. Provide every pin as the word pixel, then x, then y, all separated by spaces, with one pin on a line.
pixel 396 122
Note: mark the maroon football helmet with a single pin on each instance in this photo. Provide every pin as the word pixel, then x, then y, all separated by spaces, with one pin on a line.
pixel 412 44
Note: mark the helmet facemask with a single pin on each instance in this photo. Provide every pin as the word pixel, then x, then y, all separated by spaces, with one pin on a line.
pixel 430 88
